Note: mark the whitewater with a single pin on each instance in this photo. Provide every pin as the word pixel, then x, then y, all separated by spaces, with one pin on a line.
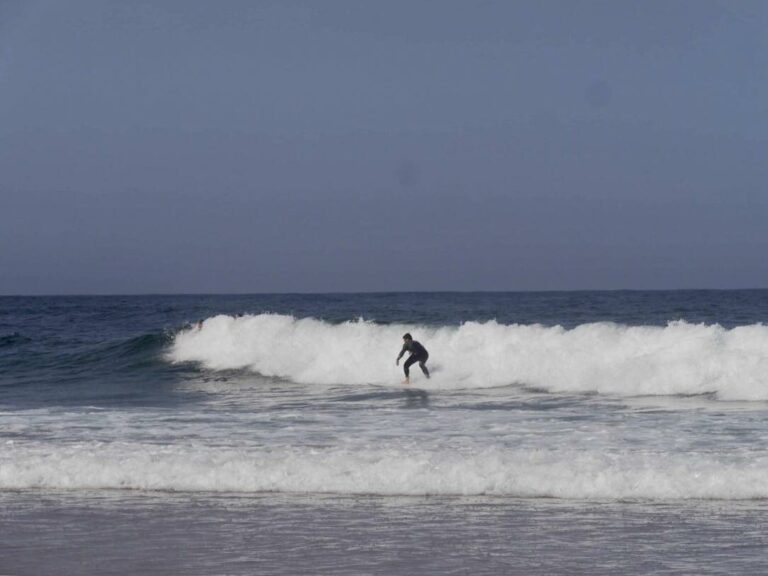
pixel 606 358
pixel 388 472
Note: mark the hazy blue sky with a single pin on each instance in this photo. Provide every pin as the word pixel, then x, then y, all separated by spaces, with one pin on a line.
pixel 251 146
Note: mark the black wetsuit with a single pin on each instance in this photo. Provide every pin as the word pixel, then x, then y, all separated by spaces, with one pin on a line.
pixel 418 354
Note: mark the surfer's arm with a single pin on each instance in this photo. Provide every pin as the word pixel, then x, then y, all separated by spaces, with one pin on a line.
pixel 401 354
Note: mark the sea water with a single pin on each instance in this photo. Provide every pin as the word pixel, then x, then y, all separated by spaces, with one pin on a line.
pixel 573 432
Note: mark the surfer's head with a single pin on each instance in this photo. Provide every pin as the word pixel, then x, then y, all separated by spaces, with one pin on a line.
pixel 407 336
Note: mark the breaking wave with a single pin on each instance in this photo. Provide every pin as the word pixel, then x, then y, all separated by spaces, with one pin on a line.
pixel 394 471
pixel 605 358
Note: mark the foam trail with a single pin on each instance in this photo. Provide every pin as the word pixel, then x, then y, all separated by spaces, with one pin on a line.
pixel 396 471
pixel 608 358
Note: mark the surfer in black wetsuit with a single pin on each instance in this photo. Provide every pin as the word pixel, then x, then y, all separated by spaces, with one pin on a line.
pixel 418 354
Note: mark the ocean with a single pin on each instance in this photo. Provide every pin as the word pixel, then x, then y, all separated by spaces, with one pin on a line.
pixel 560 433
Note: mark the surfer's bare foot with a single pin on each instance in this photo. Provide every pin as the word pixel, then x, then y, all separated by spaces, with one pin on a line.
pixel 407 381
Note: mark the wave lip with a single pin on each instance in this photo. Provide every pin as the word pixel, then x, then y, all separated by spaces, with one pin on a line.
pixel 606 358
pixel 493 471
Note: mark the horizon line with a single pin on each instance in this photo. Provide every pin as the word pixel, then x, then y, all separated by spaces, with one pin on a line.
pixel 372 292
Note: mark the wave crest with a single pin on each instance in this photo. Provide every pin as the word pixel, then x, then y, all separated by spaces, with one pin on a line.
pixel 606 358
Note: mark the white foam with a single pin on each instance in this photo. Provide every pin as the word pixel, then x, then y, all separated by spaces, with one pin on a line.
pixel 679 358
pixel 394 471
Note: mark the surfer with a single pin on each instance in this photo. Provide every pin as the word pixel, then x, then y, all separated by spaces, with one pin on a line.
pixel 418 354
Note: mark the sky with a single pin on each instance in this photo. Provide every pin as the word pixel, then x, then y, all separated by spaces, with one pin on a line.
pixel 343 146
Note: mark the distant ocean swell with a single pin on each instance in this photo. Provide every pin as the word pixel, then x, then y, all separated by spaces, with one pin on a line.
pixel 14 339
pixel 125 354
pixel 605 358
pixel 392 471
